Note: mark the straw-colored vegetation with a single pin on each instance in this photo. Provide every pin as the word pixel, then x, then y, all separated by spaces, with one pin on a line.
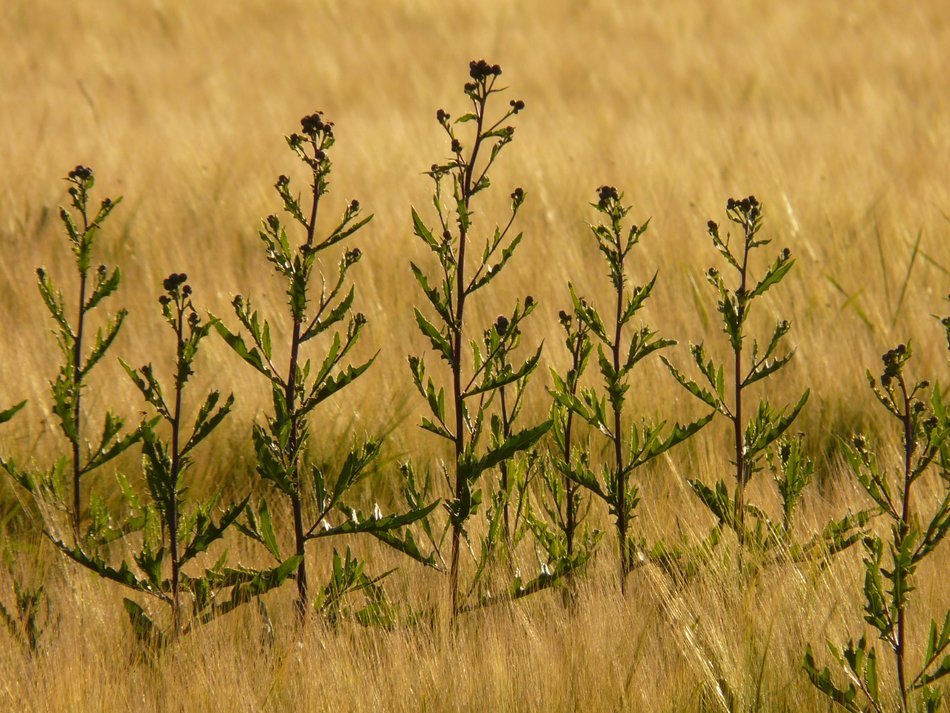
pixel 833 115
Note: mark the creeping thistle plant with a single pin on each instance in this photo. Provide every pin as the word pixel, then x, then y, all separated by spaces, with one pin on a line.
pixel 95 285
pixel 475 384
pixel 758 439
pixel 890 563
pixel 281 444
pixel 171 537
pixel 562 485
pixel 616 361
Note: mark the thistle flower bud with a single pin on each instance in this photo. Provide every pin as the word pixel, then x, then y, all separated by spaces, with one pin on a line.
pixel 456 146
pixel 312 124
pixel 81 173
pixel 605 194
pixel 528 302
pixel 501 325
pixel 174 281
pixel 354 206
pixel 517 106
pixel 352 256
pixel 442 116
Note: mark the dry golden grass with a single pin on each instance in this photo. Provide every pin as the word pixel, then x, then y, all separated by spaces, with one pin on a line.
pixel 833 114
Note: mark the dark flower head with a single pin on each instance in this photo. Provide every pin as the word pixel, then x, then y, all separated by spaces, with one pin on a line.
pixel 606 194
pixel 456 146
pixel 517 106
pixel 354 205
pixel 81 173
pixel 174 281
pixel 528 302
pixel 481 70
pixel 501 325
pixel 312 124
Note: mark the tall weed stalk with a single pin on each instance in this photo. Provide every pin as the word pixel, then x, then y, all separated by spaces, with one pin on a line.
pixel 465 267
pixel 757 431
pixel 890 563
pixel 617 354
pixel 297 390
pixel 82 227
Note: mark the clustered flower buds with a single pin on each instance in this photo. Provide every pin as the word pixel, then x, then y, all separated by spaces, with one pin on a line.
pixel 81 173
pixel 174 281
pixel 607 194
pixel 481 70
pixel 312 124
pixel 517 106
pixel 501 325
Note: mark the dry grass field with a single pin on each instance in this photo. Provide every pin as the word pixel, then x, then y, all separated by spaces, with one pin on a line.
pixel 835 115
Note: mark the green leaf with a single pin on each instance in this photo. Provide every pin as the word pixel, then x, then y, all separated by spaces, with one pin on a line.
pixel 439 341
pixel 206 531
pixel 692 387
pixel 11 412
pixel 251 356
pixel 103 289
pixel 207 419
pixel 513 444
pixel 146 632
pixel 821 679
pixel 269 537
pixel 775 273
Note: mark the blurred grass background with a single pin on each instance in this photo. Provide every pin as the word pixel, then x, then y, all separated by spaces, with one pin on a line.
pixel 833 115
